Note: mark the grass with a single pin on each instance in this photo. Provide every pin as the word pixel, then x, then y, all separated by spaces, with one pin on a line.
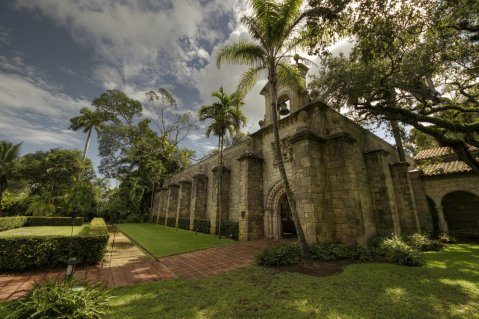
pixel 162 241
pixel 42 231
pixel 447 287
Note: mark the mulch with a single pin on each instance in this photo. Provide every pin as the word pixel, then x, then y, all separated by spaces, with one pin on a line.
pixel 317 268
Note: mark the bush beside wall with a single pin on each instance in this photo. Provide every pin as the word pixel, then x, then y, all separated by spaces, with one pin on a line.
pixel 201 225
pixel 184 223
pixel 230 229
pixel 20 253
pixel 161 220
pixel 7 223
pixel 171 222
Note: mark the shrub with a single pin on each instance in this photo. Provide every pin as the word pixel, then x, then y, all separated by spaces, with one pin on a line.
pixel 446 238
pixel 333 251
pixel 7 223
pixel 54 221
pixel 171 222
pixel 161 220
pixel 422 242
pixel 60 299
pixel 283 255
pixel 230 229
pixel 202 225
pixel 184 223
pixel 20 253
pixel 398 252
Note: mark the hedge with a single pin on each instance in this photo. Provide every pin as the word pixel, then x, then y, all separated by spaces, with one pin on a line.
pixel 171 221
pixel 202 225
pixel 230 229
pixel 53 221
pixel 7 223
pixel 20 253
pixel 161 220
pixel 184 223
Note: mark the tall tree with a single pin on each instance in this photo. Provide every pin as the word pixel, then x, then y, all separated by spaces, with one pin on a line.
pixel 8 153
pixel 414 62
pixel 276 28
pixel 224 117
pixel 89 120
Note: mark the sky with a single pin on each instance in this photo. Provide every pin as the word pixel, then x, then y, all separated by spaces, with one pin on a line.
pixel 56 56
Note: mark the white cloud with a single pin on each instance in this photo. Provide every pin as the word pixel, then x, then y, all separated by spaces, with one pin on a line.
pixel 194 137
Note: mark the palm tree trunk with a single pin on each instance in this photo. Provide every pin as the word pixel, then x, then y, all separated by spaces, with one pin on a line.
pixel 397 137
pixel 85 150
pixel 220 180
pixel 303 245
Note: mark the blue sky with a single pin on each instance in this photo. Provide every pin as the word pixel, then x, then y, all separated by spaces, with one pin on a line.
pixel 56 56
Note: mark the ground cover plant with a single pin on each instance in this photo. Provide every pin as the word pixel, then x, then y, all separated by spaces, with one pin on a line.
pixel 446 287
pixel 61 299
pixel 162 241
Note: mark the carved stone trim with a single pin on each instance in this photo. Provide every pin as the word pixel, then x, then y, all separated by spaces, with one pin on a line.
pixel 306 134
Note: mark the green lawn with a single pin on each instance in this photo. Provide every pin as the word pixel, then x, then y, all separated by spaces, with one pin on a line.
pixel 447 287
pixel 42 231
pixel 162 241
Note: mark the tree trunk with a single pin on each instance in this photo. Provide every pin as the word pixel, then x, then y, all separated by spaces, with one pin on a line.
pixel 85 150
pixel 219 183
pixel 303 245
pixel 397 137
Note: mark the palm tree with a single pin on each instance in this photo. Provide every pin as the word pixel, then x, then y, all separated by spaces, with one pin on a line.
pixel 224 117
pixel 8 153
pixel 275 27
pixel 88 120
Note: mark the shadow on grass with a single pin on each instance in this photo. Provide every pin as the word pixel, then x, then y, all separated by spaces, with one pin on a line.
pixel 448 287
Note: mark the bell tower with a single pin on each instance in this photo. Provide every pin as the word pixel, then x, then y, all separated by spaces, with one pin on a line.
pixel 289 100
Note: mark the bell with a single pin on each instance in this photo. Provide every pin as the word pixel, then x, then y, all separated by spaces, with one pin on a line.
pixel 283 109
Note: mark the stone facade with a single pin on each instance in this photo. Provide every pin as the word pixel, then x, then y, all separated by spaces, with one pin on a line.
pixel 347 182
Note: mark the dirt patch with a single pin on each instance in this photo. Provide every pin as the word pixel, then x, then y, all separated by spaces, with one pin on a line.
pixel 318 268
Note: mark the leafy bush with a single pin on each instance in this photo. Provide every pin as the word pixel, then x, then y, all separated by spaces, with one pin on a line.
pixel 446 238
pixel 399 252
pixel 53 221
pixel 230 229
pixel 422 242
pixel 161 220
pixel 20 253
pixel 171 222
pixel 334 251
pixel 184 223
pixel 7 223
pixel 60 299
pixel 202 225
pixel 283 255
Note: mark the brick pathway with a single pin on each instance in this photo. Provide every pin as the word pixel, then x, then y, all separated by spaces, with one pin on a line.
pixel 141 268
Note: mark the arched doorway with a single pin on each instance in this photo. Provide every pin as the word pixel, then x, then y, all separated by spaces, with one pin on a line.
pixel 287 223
pixel 461 211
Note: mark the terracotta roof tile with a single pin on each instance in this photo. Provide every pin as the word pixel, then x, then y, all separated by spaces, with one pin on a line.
pixel 438 152
pixel 444 168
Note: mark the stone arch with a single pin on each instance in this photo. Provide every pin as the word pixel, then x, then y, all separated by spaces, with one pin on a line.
pixel 272 220
pixel 461 212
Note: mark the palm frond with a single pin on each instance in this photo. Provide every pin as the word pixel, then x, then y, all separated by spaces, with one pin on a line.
pixel 248 80
pixel 289 75
pixel 241 53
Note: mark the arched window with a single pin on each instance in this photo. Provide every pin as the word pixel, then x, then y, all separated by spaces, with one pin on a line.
pixel 461 211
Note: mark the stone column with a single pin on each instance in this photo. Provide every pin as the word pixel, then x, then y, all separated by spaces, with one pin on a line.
pixel 172 204
pixel 408 218
pixel 163 203
pixel 422 207
pixel 382 193
pixel 441 220
pixel 184 201
pixel 344 186
pixel 308 170
pixel 225 194
pixel 251 197
pixel 199 197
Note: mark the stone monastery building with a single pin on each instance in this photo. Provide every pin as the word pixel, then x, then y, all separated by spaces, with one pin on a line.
pixel 348 183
